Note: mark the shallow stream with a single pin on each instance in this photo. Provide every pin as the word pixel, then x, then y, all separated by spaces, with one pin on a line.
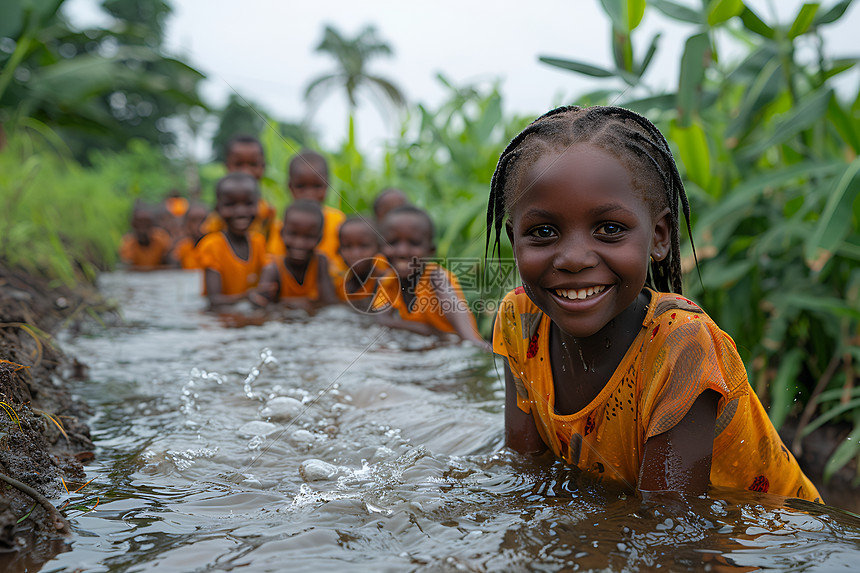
pixel 328 443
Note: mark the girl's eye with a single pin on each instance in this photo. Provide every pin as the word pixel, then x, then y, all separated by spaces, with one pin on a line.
pixel 542 232
pixel 610 229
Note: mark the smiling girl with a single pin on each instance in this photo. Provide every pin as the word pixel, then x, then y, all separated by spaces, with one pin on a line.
pixel 605 363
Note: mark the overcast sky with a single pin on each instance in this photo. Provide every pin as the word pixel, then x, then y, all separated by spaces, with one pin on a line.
pixel 264 49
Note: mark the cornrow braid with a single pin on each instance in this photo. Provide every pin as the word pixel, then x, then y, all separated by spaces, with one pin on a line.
pixel 634 140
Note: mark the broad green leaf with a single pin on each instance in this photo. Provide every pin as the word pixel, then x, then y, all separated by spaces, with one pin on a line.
pixel 833 14
pixel 649 55
pixel 835 221
pixel 755 24
pixel 847 126
pixel 678 11
pixel 846 452
pixel 643 106
pixel 839 65
pixel 622 52
pixel 830 415
pixel 789 124
pixel 721 10
pixel 803 20
pixel 693 63
pixel 625 14
pixel 759 94
pixel 578 67
pixel 693 149
pixel 819 304
pixel 783 389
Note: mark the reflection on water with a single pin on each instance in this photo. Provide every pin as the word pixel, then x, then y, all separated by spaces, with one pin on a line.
pixel 326 442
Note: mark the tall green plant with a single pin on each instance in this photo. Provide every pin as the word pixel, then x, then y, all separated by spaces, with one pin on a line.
pixel 768 150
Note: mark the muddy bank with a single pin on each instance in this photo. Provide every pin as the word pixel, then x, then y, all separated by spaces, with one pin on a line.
pixel 43 437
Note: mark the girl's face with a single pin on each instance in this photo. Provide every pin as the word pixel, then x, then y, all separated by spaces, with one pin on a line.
pixel 582 238
pixel 407 243
pixel 358 244
pixel 237 205
pixel 301 233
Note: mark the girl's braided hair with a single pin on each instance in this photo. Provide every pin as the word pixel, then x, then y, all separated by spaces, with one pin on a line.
pixel 631 138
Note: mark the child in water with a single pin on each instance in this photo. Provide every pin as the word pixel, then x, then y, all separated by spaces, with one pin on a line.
pixel 300 278
pixel 605 363
pixel 147 246
pixel 308 179
pixel 184 252
pixel 424 297
pixel 232 259
pixel 360 251
pixel 244 154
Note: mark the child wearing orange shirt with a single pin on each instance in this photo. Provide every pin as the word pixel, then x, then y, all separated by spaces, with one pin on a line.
pixel 233 259
pixel 184 253
pixel 425 297
pixel 365 265
pixel 147 246
pixel 300 278
pixel 308 179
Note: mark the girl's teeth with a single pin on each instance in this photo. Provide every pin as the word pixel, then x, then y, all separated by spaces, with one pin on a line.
pixel 580 294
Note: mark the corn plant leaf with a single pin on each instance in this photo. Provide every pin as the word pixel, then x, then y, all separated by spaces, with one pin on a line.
pixel 755 24
pixel 846 451
pixel 649 55
pixel 678 11
pixel 803 20
pixel 625 14
pixel 789 124
pixel 835 221
pixel 831 414
pixel 643 106
pixel 827 306
pixel 833 14
pixel 760 93
pixel 693 149
pixel 692 76
pixel 783 389
pixel 721 10
pixel 579 67
pixel 847 126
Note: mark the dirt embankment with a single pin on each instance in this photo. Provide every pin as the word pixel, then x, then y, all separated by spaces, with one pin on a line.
pixel 42 437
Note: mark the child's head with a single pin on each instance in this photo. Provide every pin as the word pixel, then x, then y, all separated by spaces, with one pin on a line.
pixel 359 243
pixel 407 233
pixel 302 230
pixel 387 200
pixel 236 196
pixel 591 196
pixel 142 219
pixel 244 154
pixel 308 176
pixel 192 223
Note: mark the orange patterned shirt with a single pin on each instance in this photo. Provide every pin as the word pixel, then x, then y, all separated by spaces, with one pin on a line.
pixel 678 354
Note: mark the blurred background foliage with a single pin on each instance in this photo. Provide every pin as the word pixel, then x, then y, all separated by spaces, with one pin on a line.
pixel 765 129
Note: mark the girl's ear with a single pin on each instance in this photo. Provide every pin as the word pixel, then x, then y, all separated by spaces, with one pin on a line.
pixel 662 237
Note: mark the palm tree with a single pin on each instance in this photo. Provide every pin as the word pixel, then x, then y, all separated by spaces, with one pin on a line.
pixel 352 56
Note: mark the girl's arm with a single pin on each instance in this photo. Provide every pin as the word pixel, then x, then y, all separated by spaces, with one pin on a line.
pixel 455 309
pixel 521 434
pixel 679 460
pixel 268 287
pixel 325 285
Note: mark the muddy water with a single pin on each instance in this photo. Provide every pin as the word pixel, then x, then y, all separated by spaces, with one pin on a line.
pixel 330 444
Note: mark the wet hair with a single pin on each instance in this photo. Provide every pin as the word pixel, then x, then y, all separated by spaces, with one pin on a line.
pixel 362 221
pixel 306 206
pixel 237 176
pixel 310 158
pixel 413 210
pixel 377 202
pixel 628 136
pixel 240 139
